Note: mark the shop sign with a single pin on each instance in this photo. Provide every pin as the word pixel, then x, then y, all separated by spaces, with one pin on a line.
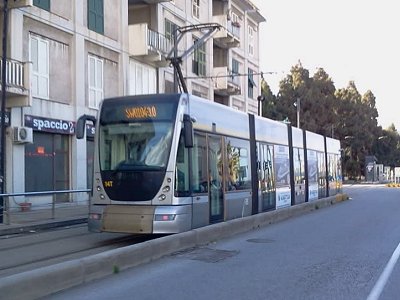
pixel 50 125
pixel 7 118
pixel 90 130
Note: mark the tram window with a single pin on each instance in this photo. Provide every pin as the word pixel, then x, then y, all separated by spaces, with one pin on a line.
pixel 312 163
pixel 298 158
pixel 282 170
pixel 182 170
pixel 199 165
pixel 238 160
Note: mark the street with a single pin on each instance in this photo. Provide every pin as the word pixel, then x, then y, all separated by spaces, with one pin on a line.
pixel 335 253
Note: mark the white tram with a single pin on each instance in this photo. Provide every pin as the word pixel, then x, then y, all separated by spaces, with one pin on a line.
pixel 171 163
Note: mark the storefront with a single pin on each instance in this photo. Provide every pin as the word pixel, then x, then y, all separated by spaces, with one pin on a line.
pixel 47 159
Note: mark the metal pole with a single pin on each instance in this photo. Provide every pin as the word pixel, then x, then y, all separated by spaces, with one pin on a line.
pixel 298 112
pixel 3 109
pixel 175 31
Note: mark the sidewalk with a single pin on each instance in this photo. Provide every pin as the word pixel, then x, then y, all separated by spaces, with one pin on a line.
pixel 64 215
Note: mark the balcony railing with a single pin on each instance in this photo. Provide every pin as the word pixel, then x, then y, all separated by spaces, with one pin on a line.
pixel 226 83
pixel 150 45
pixel 234 80
pixel 14 73
pixel 229 35
pixel 234 28
pixel 159 42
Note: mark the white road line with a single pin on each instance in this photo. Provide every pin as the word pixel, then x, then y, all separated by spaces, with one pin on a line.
pixel 383 279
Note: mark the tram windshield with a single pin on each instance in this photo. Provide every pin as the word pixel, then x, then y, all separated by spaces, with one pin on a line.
pixel 135 146
pixel 136 136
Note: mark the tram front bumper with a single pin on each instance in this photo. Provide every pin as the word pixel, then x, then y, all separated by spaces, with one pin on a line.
pixel 140 219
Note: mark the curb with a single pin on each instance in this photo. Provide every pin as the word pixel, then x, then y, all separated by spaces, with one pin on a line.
pixel 47 280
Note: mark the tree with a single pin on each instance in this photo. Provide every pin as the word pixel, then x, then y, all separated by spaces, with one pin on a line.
pixel 269 109
pixel 344 114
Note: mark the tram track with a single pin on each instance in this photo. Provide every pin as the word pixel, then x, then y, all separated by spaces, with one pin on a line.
pixel 32 251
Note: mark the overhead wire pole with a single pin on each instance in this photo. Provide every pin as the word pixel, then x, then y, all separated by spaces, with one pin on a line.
pixel 3 109
pixel 177 60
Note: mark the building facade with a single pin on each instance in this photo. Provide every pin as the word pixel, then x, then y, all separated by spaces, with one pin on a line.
pixel 64 56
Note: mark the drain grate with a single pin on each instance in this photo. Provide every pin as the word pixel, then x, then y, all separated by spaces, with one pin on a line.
pixel 206 254
pixel 261 241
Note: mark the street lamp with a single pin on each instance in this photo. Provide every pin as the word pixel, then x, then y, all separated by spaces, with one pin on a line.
pixel 3 109
pixel 297 104
pixel 260 99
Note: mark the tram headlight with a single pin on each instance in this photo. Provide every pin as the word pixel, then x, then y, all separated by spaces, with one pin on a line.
pixel 94 216
pixel 102 197
pixel 98 188
pixel 162 197
pixel 164 217
pixel 166 189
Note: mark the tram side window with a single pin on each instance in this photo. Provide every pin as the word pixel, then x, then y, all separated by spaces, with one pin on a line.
pixel 199 165
pixel 332 169
pixel 298 157
pixel 312 163
pixel 182 170
pixel 238 160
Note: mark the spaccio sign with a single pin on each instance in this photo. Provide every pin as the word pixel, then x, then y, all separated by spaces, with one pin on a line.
pixel 50 125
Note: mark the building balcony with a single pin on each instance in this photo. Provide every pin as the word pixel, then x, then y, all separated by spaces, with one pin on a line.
pixel 225 83
pixel 229 35
pixel 151 46
pixel 17 82
pixel 135 2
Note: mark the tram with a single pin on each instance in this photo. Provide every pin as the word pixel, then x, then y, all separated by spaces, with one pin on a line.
pixel 169 163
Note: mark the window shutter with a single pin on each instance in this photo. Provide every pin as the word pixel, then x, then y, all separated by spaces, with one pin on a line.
pixel 96 15
pixel 43 4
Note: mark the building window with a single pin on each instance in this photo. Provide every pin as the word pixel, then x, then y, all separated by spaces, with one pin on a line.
pixel 95 75
pixel 251 83
pixel 96 15
pixel 43 4
pixel 169 29
pixel 196 8
pixel 235 66
pixel 251 41
pixel 47 164
pixel 143 79
pixel 199 60
pixel 39 56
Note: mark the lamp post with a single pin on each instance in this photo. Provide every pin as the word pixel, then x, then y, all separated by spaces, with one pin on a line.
pixel 297 104
pixel 348 138
pixel 3 109
pixel 260 99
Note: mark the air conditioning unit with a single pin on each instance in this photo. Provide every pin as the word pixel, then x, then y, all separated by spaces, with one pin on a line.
pixel 22 135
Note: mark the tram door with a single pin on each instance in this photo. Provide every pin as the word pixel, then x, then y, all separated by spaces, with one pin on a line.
pixel 215 172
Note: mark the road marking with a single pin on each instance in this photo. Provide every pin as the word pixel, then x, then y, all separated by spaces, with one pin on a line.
pixel 383 279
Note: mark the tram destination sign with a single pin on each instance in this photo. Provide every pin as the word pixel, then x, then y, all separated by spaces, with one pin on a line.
pixel 135 111
pixel 50 125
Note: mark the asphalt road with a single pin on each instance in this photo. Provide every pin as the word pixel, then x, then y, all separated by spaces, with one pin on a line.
pixel 346 251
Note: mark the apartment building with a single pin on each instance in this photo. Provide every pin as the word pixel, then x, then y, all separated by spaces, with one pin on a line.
pixel 64 56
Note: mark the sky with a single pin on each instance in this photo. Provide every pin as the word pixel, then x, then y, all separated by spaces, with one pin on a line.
pixel 352 40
